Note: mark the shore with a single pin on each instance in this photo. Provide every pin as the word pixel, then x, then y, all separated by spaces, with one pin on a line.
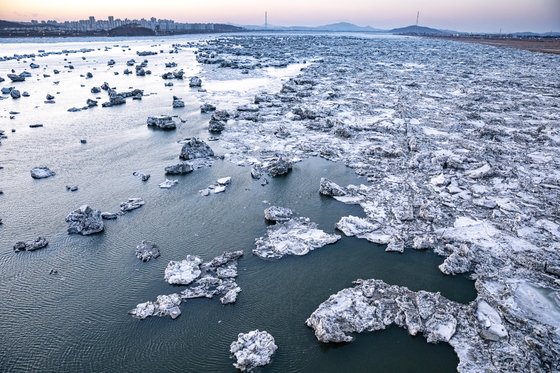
pixel 542 45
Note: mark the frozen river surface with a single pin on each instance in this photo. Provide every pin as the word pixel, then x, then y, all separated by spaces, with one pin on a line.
pixel 455 147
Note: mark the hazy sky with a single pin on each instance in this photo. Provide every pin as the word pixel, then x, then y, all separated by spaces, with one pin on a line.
pixel 461 15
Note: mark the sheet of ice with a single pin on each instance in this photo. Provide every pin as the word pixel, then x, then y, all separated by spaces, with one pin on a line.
pixel 540 303
pixel 183 272
pixel 297 236
pixel 361 228
pixel 490 320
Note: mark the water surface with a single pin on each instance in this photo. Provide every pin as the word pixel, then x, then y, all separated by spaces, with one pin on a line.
pixel 77 320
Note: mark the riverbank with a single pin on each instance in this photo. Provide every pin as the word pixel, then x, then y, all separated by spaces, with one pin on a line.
pixel 542 45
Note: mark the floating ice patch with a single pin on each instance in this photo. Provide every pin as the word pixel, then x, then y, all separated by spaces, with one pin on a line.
pixel 373 305
pixel 168 183
pixel 224 180
pixel 253 349
pixel 361 228
pixel 296 236
pixel 183 272
pixel 349 200
pixel 203 280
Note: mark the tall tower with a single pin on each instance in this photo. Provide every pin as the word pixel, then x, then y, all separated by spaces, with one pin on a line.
pixel 417 17
pixel 265 19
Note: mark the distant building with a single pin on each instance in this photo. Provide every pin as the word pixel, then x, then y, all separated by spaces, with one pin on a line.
pixel 160 26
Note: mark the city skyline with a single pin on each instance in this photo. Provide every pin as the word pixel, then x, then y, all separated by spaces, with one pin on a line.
pixel 92 24
pixel 461 15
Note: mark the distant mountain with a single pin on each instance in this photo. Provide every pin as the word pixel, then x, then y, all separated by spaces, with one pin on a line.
pixel 346 27
pixel 419 30
pixel 350 27
pixel 222 27
pixel 525 34
pixel 334 27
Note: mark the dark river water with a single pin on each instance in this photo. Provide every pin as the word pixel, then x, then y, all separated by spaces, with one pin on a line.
pixel 77 321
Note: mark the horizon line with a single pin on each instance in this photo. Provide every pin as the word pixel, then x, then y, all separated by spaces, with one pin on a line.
pixel 268 26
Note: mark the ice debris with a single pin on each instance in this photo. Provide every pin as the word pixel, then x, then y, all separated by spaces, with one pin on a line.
pixel 431 154
pixel 195 148
pixel 203 280
pixel 38 243
pixel 41 172
pixel 162 121
pixel 252 349
pixel 181 168
pixel 132 204
pixel 147 250
pixel 219 187
pixel 142 175
pixel 85 221
pixel 296 236
pixel 167 184
pixel 278 214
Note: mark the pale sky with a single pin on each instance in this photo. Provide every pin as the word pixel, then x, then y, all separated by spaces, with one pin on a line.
pixel 460 15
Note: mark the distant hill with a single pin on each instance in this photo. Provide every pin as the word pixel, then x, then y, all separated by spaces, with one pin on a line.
pixel 131 30
pixel 350 27
pixel 334 27
pixel 418 30
pixel 346 27
pixel 525 34
pixel 8 24
pixel 222 27
pixel 535 35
